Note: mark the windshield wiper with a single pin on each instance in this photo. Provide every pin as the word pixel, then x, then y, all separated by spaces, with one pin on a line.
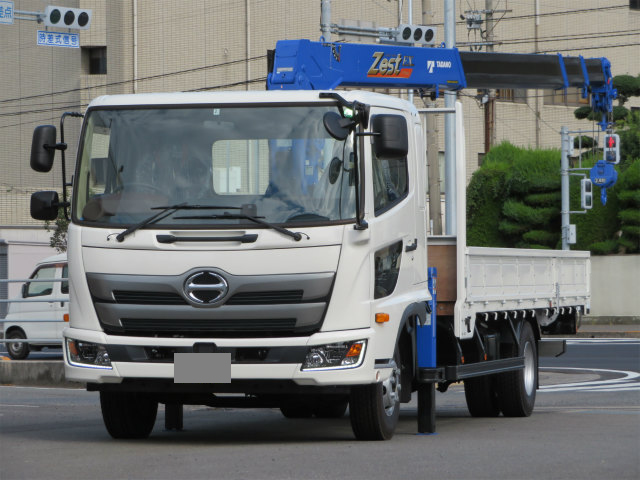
pixel 164 212
pixel 297 236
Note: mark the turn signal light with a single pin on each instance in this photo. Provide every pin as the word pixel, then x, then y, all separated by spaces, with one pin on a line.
pixel 65 317
pixel 382 317
pixel 355 350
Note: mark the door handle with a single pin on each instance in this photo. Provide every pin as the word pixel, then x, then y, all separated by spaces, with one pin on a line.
pixel 411 246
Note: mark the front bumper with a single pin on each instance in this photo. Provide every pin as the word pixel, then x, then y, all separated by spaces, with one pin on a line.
pixel 281 362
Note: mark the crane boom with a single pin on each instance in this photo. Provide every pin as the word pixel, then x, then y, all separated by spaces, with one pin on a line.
pixel 307 65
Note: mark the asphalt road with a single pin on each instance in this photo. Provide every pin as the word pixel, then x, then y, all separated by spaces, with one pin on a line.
pixel 586 425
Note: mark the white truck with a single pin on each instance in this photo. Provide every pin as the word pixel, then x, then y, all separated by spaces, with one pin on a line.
pixel 41 312
pixel 270 249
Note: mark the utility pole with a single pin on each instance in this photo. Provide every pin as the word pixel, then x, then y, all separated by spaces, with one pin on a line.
pixel 536 33
pixel 490 106
pixel 325 19
pixel 433 165
pixel 450 128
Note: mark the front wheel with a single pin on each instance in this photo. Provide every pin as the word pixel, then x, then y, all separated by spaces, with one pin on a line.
pixel 517 389
pixel 128 414
pixel 374 409
pixel 17 350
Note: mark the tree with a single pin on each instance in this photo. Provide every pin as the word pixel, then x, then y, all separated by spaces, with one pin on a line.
pixel 59 228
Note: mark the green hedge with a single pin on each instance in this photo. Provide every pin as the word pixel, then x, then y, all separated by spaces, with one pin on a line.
pixel 513 200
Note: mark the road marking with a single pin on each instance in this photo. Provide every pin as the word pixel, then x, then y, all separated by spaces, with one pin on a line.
pixel 609 341
pixel 21 406
pixel 626 381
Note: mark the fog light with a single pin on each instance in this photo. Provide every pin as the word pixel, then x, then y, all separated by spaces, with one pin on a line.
pixel 335 356
pixel 87 354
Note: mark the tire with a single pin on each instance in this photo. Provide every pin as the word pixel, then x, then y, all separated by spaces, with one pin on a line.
pixel 331 408
pixel 374 409
pixel 128 414
pixel 17 351
pixel 481 396
pixel 301 410
pixel 517 390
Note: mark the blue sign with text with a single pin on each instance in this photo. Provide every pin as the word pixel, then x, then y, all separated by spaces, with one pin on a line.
pixel 6 12
pixel 58 39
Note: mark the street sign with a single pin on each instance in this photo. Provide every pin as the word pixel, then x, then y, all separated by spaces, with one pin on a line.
pixel 6 12
pixel 58 39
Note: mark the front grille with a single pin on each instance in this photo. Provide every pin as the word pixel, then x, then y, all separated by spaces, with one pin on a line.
pixel 266 298
pixel 245 298
pixel 148 298
pixel 200 328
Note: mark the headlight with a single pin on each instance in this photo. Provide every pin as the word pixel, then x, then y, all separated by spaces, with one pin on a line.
pixel 87 354
pixel 335 356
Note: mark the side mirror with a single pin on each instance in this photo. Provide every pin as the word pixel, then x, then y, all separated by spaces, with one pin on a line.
pixel 337 126
pixel 44 205
pixel 391 139
pixel 25 290
pixel 43 148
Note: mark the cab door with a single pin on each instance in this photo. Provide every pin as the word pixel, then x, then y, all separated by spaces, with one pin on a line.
pixel 392 208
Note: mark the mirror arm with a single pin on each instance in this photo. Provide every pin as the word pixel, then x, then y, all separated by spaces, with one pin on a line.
pixel 63 146
pixel 58 146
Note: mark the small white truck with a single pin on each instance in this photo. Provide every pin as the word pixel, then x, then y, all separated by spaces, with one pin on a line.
pixel 41 312
pixel 270 249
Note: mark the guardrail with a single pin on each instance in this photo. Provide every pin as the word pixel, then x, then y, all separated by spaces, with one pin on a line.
pixel 34 320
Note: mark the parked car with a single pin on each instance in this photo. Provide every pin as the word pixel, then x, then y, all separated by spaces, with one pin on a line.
pixel 47 301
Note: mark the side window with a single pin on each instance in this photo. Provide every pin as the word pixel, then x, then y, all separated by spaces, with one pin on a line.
pixel 38 289
pixel 390 182
pixel 64 287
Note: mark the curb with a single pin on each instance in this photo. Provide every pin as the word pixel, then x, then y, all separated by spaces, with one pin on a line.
pixel 35 373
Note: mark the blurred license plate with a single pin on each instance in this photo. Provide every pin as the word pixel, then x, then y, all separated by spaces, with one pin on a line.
pixel 202 367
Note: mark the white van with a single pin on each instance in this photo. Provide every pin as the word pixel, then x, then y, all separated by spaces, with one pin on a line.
pixel 54 312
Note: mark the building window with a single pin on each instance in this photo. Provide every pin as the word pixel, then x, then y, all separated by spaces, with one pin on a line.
pixel 634 4
pixel 514 95
pixel 480 158
pixel 572 96
pixel 94 60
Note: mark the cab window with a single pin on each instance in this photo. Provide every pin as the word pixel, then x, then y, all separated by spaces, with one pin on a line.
pixel 38 289
pixel 390 183
pixel 64 287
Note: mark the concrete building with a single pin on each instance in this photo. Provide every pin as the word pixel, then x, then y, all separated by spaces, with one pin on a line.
pixel 138 46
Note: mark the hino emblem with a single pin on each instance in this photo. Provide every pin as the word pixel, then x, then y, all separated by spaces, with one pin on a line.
pixel 205 288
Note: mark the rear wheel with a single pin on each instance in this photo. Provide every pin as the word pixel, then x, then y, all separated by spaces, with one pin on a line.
pixel 375 409
pixel 481 396
pixel 128 414
pixel 517 389
pixel 17 350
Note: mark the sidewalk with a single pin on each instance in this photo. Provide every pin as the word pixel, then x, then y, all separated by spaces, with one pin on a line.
pixel 608 331
pixel 609 327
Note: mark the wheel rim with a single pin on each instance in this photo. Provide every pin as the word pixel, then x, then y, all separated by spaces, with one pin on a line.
pixel 391 392
pixel 15 348
pixel 529 369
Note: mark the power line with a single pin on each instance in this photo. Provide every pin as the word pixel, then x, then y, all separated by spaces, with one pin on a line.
pixel 122 82
pixel 78 106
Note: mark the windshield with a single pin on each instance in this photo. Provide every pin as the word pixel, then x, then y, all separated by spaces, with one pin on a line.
pixel 276 163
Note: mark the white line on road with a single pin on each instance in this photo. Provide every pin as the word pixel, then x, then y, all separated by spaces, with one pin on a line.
pixel 626 381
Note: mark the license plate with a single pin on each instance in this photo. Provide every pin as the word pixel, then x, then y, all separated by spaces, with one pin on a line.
pixel 202 367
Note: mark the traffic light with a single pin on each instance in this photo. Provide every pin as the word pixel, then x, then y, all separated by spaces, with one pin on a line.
pixel 612 148
pixel 64 17
pixel 420 34
pixel 586 193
